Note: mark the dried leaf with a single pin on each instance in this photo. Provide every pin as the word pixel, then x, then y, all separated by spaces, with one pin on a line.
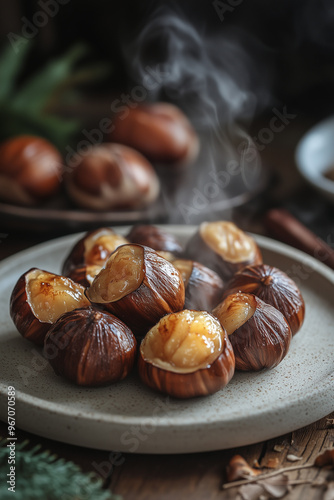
pixel 329 493
pixel 325 458
pixel 279 448
pixel 272 463
pixel 275 487
pixel 238 468
pixel 253 491
pixel 293 458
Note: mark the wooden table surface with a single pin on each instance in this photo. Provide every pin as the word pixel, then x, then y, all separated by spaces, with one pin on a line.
pixel 196 476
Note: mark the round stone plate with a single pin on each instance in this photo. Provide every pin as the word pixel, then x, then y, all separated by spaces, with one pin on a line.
pixel 129 417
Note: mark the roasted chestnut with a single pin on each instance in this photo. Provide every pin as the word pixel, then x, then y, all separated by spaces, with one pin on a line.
pixel 274 287
pixel 90 347
pixel 156 238
pixel 224 248
pixel 160 131
pixel 259 333
pixel 186 354
pixel 112 176
pixel 30 170
pixel 39 298
pixel 84 275
pixel 203 287
pixel 138 286
pixel 93 249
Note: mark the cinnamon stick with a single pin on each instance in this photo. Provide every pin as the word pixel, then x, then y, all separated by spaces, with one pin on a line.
pixel 283 226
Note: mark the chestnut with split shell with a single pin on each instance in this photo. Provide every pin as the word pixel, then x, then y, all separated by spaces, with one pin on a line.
pixel 160 131
pixel 111 177
pixel 223 247
pixel 138 286
pixel 259 333
pixel 39 298
pixel 156 238
pixel 93 249
pixel 187 354
pixel 203 287
pixel 274 287
pixel 90 347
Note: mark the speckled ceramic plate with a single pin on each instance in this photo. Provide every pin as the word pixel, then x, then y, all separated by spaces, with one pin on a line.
pixel 128 417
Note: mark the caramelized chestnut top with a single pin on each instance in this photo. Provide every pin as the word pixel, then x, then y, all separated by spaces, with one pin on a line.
pixel 50 295
pixel 227 240
pixel 122 274
pixel 235 310
pixel 184 342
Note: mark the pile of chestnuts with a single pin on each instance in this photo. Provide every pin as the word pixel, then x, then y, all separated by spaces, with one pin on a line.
pixel 186 317
pixel 117 171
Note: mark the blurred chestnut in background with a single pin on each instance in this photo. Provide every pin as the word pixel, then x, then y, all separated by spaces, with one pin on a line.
pixel 274 287
pixel 30 170
pixel 259 333
pixel 138 286
pixel 112 176
pixel 186 354
pixel 203 287
pixel 39 298
pixel 93 249
pixel 223 247
pixel 156 238
pixel 160 131
pixel 90 347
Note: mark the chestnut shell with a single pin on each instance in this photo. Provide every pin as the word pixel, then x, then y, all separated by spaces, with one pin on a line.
pixel 156 238
pixel 160 292
pixel 188 385
pixel 97 255
pixel 28 325
pixel 274 287
pixel 263 340
pixel 90 347
pixel 199 250
pixel 203 289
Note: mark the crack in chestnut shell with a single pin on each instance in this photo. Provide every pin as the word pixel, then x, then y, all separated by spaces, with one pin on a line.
pixel 98 255
pixel 198 250
pixel 274 287
pixel 204 288
pixel 90 347
pixel 161 292
pixel 263 341
pixel 189 385
pixel 156 238
pixel 28 325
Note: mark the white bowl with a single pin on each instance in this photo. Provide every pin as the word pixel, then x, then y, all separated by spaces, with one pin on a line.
pixel 315 156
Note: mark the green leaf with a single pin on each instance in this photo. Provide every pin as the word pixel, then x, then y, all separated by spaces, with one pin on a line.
pixel 36 92
pixel 10 66
pixel 40 476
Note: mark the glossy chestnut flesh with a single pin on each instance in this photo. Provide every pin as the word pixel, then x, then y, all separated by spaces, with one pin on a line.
pixel 274 287
pixel 186 354
pixel 90 347
pixel 93 249
pixel 139 286
pixel 39 298
pixel 203 287
pixel 156 238
pixel 259 333
pixel 224 248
